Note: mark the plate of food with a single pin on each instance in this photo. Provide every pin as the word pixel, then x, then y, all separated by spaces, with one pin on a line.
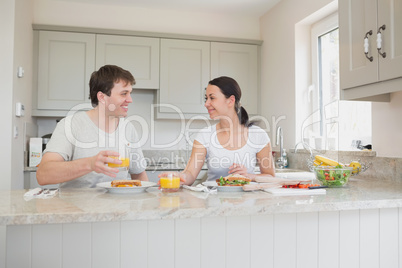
pixel 126 186
pixel 231 183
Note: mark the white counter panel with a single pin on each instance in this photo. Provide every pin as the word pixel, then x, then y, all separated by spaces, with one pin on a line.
pixel 347 239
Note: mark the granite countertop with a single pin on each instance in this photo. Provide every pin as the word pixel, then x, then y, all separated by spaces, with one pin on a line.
pixel 96 205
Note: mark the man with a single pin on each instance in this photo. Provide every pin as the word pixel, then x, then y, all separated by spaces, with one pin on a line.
pixel 83 144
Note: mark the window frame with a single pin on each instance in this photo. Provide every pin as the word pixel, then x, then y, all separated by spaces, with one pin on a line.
pixel 318 29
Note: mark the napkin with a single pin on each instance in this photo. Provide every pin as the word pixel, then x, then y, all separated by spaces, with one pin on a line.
pixel 200 188
pixel 42 193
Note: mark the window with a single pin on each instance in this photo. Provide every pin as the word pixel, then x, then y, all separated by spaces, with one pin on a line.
pixel 335 124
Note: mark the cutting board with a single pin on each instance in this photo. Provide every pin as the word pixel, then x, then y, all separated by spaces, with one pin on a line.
pixel 295 191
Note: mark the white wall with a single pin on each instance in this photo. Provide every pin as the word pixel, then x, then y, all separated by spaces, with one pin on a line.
pixel 142 19
pixel 22 87
pixel 282 84
pixel 6 88
pixel 15 50
pixel 278 62
pixel 387 126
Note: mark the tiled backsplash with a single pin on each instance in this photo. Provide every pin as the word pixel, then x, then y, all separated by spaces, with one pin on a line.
pixel 384 168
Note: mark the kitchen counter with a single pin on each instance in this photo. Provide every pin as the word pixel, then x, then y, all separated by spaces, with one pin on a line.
pixel 96 205
pixel 355 226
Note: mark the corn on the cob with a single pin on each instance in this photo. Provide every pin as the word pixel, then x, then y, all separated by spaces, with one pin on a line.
pixel 316 163
pixel 326 161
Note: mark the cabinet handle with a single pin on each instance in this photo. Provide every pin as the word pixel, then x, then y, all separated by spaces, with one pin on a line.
pixel 379 41
pixel 366 45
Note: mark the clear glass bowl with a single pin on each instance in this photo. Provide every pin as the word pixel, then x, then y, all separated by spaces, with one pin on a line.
pixel 332 176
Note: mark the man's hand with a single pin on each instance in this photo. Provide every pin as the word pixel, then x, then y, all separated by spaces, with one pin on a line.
pixel 99 163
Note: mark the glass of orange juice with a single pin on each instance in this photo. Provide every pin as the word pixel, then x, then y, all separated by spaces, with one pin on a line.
pixel 170 183
pixel 123 167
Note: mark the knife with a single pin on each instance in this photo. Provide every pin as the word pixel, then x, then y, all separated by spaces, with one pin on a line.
pixel 317 187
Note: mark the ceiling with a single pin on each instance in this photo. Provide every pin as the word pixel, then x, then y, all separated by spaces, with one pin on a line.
pixel 239 7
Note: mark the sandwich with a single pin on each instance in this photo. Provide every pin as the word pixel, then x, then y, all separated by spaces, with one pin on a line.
pixel 126 183
pixel 233 180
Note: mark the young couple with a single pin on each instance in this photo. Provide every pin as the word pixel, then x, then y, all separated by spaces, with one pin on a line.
pixel 83 144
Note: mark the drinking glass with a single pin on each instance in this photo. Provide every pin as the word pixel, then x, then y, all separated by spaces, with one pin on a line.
pixel 170 183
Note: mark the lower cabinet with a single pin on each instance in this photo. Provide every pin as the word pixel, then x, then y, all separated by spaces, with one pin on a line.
pixel 346 239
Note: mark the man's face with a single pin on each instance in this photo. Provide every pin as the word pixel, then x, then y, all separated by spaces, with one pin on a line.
pixel 117 103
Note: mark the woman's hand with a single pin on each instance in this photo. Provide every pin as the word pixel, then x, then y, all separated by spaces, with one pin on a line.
pixel 238 169
pixel 242 170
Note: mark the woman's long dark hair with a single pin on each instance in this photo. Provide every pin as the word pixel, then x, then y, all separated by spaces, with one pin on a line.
pixel 229 87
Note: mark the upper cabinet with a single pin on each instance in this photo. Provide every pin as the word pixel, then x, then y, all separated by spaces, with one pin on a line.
pixel 139 55
pixel 370 48
pixel 178 69
pixel 187 66
pixel 184 75
pixel 240 62
pixel 65 64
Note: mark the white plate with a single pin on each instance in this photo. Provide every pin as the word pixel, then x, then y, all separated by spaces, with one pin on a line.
pixel 126 190
pixel 224 188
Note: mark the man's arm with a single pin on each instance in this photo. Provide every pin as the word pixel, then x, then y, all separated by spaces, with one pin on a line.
pixel 54 169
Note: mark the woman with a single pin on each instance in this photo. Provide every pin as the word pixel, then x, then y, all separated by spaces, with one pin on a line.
pixel 231 146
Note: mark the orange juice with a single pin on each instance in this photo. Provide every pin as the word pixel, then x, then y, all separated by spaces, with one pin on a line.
pixel 172 183
pixel 125 162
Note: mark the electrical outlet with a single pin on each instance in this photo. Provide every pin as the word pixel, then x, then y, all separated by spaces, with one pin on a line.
pixel 15 132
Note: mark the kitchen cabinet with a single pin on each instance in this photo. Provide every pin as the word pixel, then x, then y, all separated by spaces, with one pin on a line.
pixel 188 66
pixel 239 61
pixel 184 75
pixel 65 64
pixel 179 68
pixel 66 61
pixel 369 76
pixel 139 55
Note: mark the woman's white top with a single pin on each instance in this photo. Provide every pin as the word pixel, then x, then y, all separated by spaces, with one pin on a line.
pixel 76 137
pixel 220 159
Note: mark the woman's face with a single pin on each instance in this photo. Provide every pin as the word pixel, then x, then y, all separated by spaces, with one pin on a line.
pixel 216 103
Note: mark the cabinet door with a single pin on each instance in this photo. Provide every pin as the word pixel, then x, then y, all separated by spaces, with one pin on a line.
pixel 241 63
pixel 356 18
pixel 184 75
pixel 139 55
pixel 65 64
pixel 390 15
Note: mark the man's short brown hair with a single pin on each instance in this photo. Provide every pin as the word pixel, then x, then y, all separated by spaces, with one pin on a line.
pixel 104 79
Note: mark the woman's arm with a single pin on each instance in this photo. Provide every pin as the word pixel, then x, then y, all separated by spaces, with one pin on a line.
pixel 54 169
pixel 141 176
pixel 265 161
pixel 194 165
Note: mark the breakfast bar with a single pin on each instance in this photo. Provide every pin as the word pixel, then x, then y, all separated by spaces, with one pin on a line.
pixel 359 225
